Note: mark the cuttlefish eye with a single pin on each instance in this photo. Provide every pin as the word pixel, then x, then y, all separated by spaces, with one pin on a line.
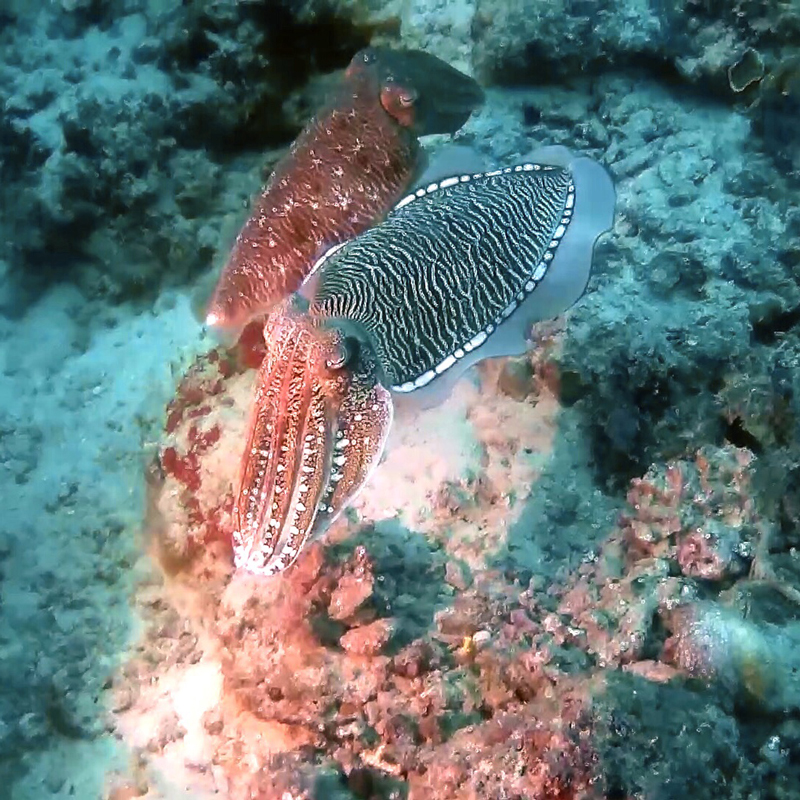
pixel 341 353
pixel 398 100
pixel 399 94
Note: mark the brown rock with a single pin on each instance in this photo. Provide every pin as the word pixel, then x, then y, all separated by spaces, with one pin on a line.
pixel 126 789
pixel 655 671
pixel 413 661
pixel 516 379
pixel 368 640
pixel 457 575
pixel 351 593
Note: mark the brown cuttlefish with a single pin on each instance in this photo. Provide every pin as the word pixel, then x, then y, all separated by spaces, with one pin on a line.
pixel 456 273
pixel 343 173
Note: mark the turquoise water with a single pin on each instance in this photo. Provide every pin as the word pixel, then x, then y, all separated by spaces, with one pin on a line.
pixel 571 574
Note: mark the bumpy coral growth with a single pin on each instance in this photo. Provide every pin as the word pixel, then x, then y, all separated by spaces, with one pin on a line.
pixel 697 513
pixel 394 659
pixel 689 524
pixel 392 655
pixel 670 592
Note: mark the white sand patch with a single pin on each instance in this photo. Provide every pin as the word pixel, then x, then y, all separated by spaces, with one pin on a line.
pixel 198 692
pixel 83 392
pixel 425 450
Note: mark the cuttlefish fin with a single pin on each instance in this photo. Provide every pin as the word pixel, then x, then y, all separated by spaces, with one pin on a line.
pixel 452 159
pixel 568 276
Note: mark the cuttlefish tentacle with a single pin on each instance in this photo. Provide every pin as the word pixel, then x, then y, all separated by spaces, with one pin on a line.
pixel 282 401
pixel 318 425
pixel 342 174
pixel 363 421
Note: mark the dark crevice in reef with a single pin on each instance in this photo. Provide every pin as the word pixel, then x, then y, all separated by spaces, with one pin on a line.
pixel 664 72
pixel 658 68
pixel 614 468
pixel 626 430
pixel 322 45
pixel 536 66
pixel 539 68
pixel 298 51
pixel 767 331
pixel 775 121
pixel 739 436
pixel 789 509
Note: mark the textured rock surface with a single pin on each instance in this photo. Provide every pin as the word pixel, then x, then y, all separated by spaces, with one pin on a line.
pixel 122 135
pixel 369 655
pixel 698 40
pixel 511 634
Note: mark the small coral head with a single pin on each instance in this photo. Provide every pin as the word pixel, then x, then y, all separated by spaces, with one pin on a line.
pixel 318 426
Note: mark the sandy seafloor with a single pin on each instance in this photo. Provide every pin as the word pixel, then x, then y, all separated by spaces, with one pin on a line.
pixel 577 578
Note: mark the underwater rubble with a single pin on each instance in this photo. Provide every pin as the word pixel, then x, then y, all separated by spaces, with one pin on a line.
pixel 404 655
pixel 577 579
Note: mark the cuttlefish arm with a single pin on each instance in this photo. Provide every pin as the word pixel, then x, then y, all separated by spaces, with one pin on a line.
pixel 457 273
pixel 318 425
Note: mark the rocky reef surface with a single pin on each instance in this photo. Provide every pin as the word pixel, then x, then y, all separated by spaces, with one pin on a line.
pixel 578 578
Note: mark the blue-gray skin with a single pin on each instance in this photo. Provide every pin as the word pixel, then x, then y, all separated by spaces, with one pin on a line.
pixel 457 273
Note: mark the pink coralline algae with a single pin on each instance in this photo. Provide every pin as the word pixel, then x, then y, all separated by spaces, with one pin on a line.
pixel 699 514
pixel 690 522
pixel 670 592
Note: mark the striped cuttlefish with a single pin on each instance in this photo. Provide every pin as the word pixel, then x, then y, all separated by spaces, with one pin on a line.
pixel 455 272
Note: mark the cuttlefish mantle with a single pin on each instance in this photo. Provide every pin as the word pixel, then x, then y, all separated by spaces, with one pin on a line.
pixel 344 172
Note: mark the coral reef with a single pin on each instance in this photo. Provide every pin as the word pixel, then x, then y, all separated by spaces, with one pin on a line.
pixel 396 660
pixel 120 128
pixel 689 344
pixel 484 617
pixel 728 45
pixel 127 125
